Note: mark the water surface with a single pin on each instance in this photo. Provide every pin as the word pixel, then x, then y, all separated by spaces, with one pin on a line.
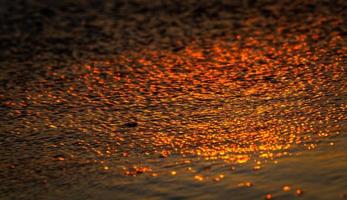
pixel 239 116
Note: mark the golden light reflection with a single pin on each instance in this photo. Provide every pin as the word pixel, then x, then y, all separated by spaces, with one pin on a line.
pixel 234 99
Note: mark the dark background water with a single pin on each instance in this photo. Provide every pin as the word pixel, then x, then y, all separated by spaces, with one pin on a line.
pixel 172 99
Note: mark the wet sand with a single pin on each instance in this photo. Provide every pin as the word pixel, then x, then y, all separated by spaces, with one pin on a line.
pixel 169 100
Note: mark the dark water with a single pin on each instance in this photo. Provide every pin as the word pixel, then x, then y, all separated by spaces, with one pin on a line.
pixel 231 117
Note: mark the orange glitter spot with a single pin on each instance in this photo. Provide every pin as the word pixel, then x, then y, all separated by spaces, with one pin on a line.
pixel 268 196
pixel 299 192
pixel 286 188
pixel 199 177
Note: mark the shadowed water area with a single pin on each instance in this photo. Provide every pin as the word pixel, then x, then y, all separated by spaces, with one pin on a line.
pixel 173 100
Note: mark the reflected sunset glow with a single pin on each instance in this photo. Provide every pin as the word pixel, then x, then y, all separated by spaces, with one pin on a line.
pixel 233 99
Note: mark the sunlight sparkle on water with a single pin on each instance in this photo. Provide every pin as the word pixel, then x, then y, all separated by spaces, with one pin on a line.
pixel 234 99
